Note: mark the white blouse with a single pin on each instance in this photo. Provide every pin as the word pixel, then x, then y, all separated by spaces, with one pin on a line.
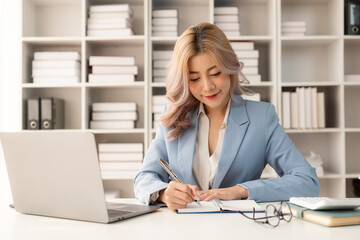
pixel 204 165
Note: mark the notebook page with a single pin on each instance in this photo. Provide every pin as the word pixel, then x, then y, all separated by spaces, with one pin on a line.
pixel 241 205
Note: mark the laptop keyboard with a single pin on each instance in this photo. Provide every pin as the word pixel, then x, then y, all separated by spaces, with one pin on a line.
pixel 117 213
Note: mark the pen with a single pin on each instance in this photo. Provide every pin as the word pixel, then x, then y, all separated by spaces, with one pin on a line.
pixel 218 203
pixel 172 174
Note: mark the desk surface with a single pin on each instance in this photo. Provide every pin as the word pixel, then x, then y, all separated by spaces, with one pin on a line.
pixel 14 225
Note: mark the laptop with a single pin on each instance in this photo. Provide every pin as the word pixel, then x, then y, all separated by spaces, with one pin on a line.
pixel 57 174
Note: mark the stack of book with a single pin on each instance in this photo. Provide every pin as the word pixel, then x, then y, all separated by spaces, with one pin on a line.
pixel 120 159
pixel 250 57
pixel 158 104
pixel 112 69
pixel 110 21
pixel 113 115
pixel 56 67
pixel 329 218
pixel 161 59
pixel 227 19
pixel 303 109
pixel 316 162
pixel 293 28
pixel 165 23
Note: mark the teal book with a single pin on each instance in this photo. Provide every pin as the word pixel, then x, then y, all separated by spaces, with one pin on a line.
pixel 330 218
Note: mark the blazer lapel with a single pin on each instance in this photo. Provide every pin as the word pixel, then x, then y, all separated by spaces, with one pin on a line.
pixel 186 148
pixel 236 128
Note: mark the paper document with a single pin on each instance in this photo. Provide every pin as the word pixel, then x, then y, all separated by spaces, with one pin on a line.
pixel 226 206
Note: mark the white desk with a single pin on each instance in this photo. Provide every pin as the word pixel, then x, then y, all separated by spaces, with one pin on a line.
pixel 164 224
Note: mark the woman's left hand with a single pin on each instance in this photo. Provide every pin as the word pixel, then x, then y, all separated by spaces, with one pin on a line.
pixel 236 192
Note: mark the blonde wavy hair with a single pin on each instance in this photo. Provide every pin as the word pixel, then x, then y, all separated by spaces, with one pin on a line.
pixel 202 38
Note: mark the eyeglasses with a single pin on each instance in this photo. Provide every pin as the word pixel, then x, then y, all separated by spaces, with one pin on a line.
pixel 273 215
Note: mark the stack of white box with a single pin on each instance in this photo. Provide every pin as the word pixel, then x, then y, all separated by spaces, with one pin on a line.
pixel 120 159
pixel 268 172
pixel 56 68
pixel 113 115
pixel 250 57
pixel 112 69
pixel 161 60
pixel 158 104
pixel 110 20
pixel 227 19
pixel 316 162
pixel 293 28
pixel 165 23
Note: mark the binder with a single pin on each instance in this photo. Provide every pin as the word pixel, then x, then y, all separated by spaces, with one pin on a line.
pixel 33 113
pixel 52 113
pixel 352 21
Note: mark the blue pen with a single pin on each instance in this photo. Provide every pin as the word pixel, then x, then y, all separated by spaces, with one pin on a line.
pixel 257 201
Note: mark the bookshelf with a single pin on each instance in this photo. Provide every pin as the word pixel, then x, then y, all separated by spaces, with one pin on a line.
pixel 319 59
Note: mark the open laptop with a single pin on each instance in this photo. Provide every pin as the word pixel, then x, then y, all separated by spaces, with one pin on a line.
pixel 57 174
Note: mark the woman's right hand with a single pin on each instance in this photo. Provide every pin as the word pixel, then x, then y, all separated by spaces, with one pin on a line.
pixel 177 195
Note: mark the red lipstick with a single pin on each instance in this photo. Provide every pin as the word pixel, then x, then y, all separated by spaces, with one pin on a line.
pixel 212 96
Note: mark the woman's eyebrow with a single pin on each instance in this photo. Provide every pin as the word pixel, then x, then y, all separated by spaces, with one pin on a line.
pixel 210 68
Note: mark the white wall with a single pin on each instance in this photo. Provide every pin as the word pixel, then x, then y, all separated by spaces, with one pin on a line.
pixel 10 60
pixel 1 63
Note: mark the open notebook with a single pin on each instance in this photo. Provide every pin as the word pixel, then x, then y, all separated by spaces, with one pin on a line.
pixel 217 206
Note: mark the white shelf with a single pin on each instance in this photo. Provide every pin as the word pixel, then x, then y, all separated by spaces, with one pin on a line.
pixel 322 17
pixel 158 84
pixel 352 37
pixel 353 175
pixel 56 130
pixel 351 84
pixel 116 131
pixel 352 130
pixel 135 38
pixel 166 40
pixel 52 40
pixel 324 130
pixel 319 59
pixel 260 84
pixel 328 175
pixel 310 84
pixel 308 40
pixel 260 39
pixel 121 176
pixel 35 85
pixel 139 84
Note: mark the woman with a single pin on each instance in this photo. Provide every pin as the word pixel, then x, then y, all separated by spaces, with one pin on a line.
pixel 216 142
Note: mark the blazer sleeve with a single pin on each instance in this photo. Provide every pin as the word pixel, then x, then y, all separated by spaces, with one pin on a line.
pixel 297 177
pixel 152 177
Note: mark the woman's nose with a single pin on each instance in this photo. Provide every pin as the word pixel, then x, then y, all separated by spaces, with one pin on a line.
pixel 208 84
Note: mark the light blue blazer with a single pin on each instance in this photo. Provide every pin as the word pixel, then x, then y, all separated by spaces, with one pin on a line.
pixel 253 138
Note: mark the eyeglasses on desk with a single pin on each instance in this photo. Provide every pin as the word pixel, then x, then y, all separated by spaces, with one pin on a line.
pixel 273 215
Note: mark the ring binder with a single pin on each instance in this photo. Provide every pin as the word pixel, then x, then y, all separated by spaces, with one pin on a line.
pixel 33 114
pixel 352 17
pixel 52 113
